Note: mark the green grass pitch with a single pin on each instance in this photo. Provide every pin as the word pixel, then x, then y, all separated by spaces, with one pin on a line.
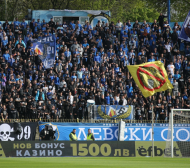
pixel 95 162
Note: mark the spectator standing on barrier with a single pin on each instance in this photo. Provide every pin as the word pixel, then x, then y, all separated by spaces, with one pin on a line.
pixel 73 136
pixel 90 136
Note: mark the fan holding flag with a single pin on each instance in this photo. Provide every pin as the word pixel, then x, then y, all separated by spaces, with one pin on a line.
pixel 150 77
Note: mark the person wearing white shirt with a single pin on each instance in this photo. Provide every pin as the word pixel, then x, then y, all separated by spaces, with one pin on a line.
pixel 70 98
pixel 175 90
pixel 131 54
pixel 168 47
pixel 124 101
pixel 118 27
pixel 132 42
pixel 117 98
pixel 80 50
pixel 171 68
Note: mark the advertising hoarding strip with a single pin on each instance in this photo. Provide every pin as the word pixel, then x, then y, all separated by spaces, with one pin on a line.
pixel 67 148
pixel 90 149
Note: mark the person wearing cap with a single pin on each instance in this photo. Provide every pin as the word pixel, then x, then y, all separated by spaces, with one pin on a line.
pixel 90 136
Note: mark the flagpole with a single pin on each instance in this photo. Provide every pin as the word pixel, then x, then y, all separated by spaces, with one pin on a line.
pixel 152 130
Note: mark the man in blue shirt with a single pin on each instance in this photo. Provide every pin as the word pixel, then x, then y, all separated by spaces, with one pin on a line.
pixel 49 94
pixel 16 22
pixel 178 65
pixel 110 53
pixel 97 58
pixel 43 23
pixel 107 98
pixel 4 42
pixel 38 24
pixel 177 75
pixel 88 26
pixel 151 59
pixel 6 55
pixel 43 28
pixel 11 60
pixel 147 28
pixel 129 90
pixel 85 44
pixel 125 36
pixel 99 42
pixel 116 68
pixel 79 25
pixel 171 79
pixel 35 29
pixel 74 77
pixel 56 81
pixel 79 74
pixel 23 24
pixel 67 54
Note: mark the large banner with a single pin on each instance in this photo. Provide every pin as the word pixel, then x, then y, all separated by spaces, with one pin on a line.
pixel 109 132
pixel 113 112
pixel 28 133
pixel 62 148
pixel 45 47
pixel 185 31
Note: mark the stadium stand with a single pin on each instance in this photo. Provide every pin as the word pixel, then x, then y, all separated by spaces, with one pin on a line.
pixel 90 63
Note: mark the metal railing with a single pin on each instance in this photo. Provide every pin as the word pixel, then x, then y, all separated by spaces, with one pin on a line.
pixel 89 121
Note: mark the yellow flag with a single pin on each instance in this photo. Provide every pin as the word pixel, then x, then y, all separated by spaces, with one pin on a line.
pixel 150 77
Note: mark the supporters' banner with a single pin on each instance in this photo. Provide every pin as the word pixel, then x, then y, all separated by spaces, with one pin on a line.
pixel 7 132
pixel 63 148
pixel 150 77
pixel 185 31
pixel 109 132
pixel 45 47
pixel 113 112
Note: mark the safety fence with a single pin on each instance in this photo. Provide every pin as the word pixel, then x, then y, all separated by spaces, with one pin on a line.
pixel 90 121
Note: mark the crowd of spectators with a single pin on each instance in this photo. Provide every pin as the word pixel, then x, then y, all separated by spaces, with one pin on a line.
pixel 90 63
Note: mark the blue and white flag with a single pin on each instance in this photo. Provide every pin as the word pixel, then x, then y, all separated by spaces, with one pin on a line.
pixel 185 31
pixel 113 112
pixel 45 47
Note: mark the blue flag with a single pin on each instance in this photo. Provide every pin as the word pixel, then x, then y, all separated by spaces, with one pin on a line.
pixel 45 47
pixel 185 31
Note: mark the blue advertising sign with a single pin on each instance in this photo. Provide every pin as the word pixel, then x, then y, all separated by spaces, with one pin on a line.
pixel 185 31
pixel 45 47
pixel 109 132
pixel 113 112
